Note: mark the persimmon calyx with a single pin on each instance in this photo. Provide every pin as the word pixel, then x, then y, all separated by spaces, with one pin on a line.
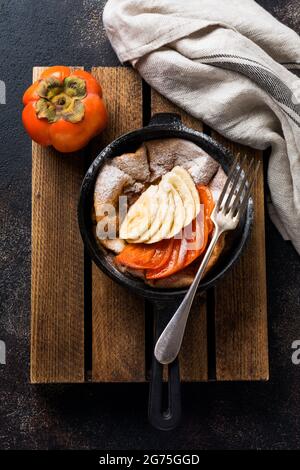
pixel 61 99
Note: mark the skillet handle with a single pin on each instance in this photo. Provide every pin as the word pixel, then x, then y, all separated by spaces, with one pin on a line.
pixel 169 119
pixel 168 418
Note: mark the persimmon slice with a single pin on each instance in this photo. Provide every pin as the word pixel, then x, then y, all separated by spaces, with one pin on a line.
pixel 162 254
pixel 170 267
pixel 143 256
pixel 207 199
pixel 194 249
pixel 202 222
pixel 136 255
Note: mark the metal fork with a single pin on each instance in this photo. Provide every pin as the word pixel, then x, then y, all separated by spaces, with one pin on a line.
pixel 226 214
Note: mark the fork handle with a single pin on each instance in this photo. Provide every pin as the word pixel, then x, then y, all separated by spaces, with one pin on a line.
pixel 169 343
pixel 164 410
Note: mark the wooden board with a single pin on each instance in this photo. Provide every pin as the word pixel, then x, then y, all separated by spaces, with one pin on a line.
pixel 241 298
pixel 118 316
pixel 57 310
pixel 226 337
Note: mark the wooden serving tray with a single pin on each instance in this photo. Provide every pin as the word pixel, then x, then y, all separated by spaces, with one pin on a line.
pixel 84 327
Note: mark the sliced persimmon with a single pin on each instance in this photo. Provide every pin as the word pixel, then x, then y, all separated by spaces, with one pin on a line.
pixel 143 256
pixel 205 221
pixel 168 268
pixel 163 252
pixel 191 252
pixel 207 199
pixel 135 255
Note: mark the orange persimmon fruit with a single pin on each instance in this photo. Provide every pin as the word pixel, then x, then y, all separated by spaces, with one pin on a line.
pixel 64 109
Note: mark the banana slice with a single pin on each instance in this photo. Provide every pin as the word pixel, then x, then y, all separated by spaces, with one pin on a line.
pixel 168 219
pixel 159 219
pixel 179 214
pixel 186 177
pixel 140 215
pixel 188 202
pixel 163 210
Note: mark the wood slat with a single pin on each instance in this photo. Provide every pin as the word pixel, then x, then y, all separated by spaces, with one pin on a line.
pixel 57 297
pixel 193 355
pixel 118 316
pixel 241 299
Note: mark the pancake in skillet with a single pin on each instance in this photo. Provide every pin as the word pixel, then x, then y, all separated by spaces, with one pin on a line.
pixel 133 175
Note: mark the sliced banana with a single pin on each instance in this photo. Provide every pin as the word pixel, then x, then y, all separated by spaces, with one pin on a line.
pixel 168 221
pixel 140 215
pixel 179 214
pixel 182 173
pixel 163 210
pixel 159 219
pixel 185 194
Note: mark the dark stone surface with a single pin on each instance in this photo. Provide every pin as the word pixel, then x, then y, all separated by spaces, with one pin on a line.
pixel 237 415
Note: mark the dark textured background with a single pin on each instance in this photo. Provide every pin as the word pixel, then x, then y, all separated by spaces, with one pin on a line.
pixel 226 416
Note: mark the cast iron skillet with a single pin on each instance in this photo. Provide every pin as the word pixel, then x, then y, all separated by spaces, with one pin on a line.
pixel 165 301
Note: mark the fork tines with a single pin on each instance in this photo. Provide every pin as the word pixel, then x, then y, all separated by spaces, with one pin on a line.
pixel 236 191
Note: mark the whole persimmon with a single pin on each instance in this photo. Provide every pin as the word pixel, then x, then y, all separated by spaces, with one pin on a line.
pixel 64 109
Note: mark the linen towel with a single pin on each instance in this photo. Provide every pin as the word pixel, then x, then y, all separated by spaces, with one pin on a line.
pixel 233 66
